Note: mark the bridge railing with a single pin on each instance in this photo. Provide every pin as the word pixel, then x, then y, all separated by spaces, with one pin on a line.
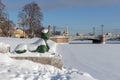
pixel 112 36
pixel 88 37
pixel 81 37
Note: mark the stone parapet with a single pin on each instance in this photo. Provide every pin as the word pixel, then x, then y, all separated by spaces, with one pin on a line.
pixel 60 39
pixel 54 61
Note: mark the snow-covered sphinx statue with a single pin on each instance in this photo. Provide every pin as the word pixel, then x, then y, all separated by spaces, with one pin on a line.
pixel 40 46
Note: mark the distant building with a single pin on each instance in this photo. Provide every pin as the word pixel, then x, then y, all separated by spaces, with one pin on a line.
pixel 20 33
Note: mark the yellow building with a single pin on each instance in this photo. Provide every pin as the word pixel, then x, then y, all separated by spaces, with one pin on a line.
pixel 20 34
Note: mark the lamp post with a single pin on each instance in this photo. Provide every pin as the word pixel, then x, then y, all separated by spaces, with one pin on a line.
pixel 54 30
pixel 102 26
pixel 93 30
pixel 67 33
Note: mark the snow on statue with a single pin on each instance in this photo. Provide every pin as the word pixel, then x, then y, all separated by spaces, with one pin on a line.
pixel 40 46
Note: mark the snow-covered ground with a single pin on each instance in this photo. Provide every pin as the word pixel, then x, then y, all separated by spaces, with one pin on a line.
pixel 100 60
pixel 26 70
pixel 11 69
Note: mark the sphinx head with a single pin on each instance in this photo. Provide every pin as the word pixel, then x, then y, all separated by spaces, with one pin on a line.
pixel 45 34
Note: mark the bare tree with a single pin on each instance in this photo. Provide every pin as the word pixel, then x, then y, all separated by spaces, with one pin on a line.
pixel 31 17
pixel 3 19
pixel 5 23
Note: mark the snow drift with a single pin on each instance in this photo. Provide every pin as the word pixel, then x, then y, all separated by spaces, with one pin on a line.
pixel 11 69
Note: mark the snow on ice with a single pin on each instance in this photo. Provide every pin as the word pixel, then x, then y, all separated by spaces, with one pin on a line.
pixel 99 60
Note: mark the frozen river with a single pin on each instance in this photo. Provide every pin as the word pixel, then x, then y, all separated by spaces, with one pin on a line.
pixel 102 61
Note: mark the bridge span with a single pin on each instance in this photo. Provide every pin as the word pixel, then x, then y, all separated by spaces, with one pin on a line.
pixel 95 39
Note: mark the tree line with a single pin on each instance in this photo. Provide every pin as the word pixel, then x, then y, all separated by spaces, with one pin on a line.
pixel 29 20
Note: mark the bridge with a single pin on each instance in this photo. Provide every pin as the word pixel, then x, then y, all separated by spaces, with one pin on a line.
pixel 95 39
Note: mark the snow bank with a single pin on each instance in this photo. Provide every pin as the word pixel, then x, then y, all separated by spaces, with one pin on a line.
pixel 11 69
pixel 53 46
pixel 4 48
pixel 4 58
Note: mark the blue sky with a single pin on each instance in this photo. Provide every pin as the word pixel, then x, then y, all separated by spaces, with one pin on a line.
pixel 79 15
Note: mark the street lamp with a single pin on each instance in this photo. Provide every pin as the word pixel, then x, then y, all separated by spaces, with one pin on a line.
pixel 93 30
pixel 102 26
